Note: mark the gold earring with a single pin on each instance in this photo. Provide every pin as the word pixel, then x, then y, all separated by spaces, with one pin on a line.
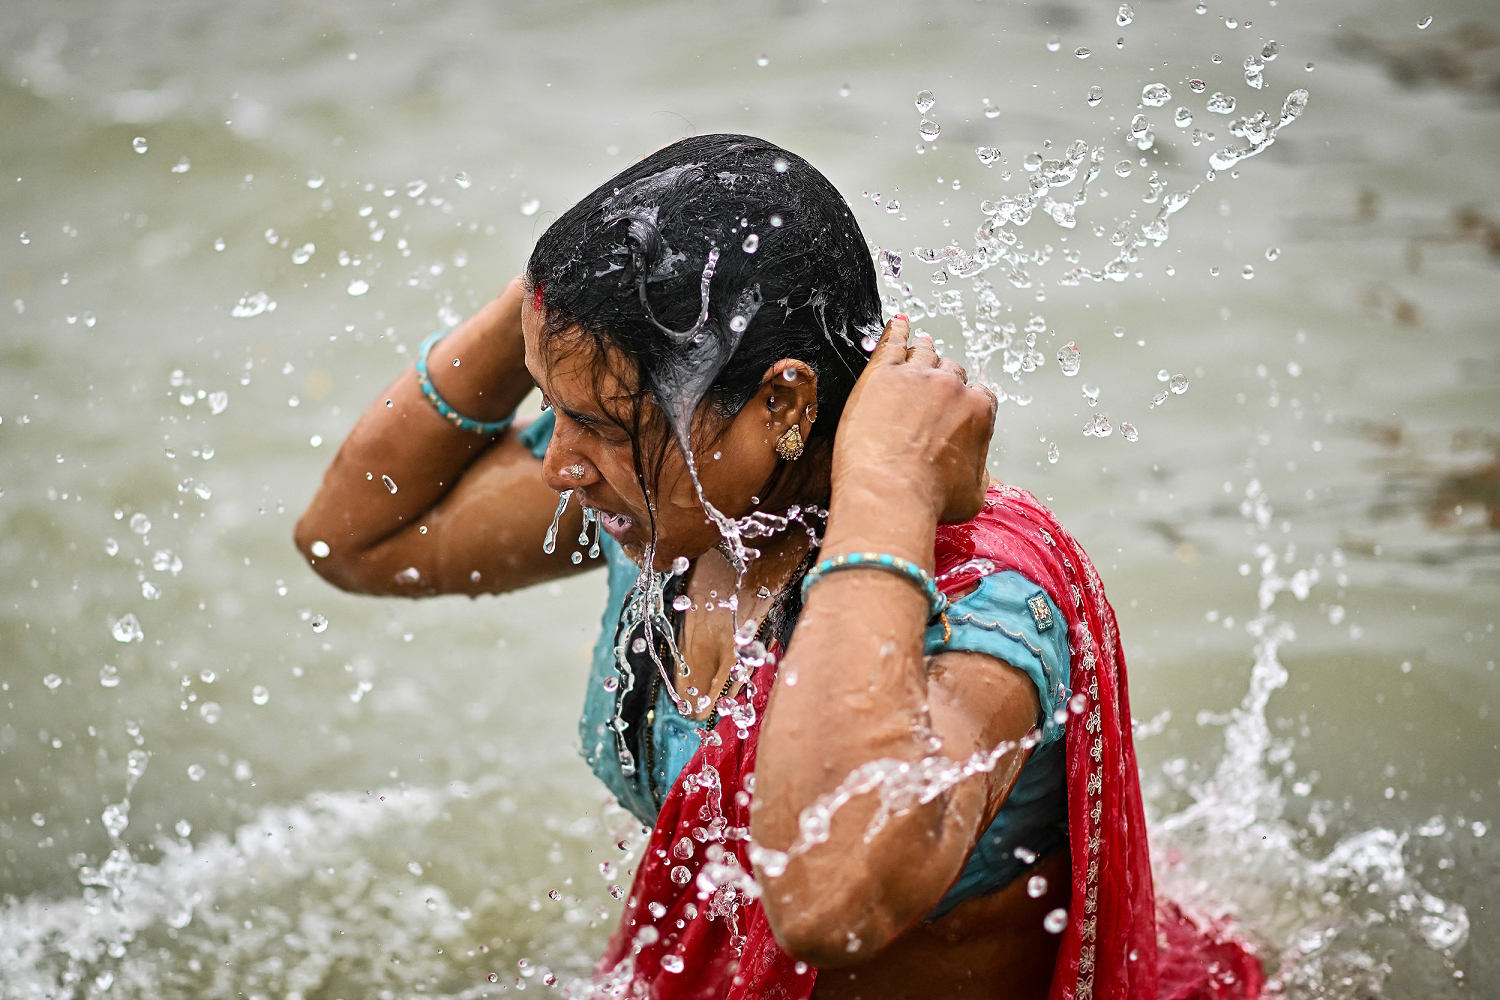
pixel 789 445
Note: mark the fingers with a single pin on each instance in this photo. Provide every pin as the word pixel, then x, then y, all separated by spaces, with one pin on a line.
pixel 891 347
pixel 954 368
pixel 921 352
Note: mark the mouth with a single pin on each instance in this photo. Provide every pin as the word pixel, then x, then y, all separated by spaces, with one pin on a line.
pixel 617 526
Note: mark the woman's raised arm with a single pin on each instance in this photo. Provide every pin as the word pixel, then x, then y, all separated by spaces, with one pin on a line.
pixel 854 688
pixel 413 505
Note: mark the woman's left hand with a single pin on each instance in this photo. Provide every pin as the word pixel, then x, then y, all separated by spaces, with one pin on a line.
pixel 914 423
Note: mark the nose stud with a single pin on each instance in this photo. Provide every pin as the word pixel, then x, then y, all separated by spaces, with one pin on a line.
pixel 574 472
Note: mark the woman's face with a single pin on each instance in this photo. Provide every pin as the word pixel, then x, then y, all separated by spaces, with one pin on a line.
pixel 593 452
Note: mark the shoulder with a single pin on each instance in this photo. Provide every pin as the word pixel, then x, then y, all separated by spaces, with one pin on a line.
pixel 1006 616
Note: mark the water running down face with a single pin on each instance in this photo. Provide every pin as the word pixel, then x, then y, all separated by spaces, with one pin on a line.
pixel 606 436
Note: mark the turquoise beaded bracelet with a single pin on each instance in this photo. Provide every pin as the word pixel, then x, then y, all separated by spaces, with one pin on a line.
pixel 889 563
pixel 448 413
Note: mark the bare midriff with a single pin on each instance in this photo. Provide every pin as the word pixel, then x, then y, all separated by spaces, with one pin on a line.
pixel 993 946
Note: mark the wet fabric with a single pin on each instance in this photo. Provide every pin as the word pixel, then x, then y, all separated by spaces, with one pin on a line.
pixel 693 927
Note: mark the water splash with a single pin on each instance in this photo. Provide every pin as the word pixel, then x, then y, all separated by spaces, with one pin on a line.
pixel 1332 921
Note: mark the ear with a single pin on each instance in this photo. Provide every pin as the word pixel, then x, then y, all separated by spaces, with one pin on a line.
pixel 788 396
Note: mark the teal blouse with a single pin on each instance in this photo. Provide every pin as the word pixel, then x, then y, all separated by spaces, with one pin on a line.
pixel 996 619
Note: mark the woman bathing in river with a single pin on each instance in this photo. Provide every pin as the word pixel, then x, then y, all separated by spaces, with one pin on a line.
pixel 870 702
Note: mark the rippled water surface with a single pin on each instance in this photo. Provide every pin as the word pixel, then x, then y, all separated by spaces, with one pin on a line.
pixel 224 227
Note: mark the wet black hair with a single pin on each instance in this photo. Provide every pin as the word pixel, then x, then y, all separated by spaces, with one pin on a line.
pixel 704 264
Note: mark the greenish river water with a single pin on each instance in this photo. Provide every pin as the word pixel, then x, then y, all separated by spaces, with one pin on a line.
pixel 225 227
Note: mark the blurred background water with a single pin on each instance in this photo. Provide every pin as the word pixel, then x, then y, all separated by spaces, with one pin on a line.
pixel 225 226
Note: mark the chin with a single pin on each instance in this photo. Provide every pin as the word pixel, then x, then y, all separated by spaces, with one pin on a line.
pixel 666 554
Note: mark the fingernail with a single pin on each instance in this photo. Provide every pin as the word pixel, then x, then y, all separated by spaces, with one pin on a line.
pixel 902 317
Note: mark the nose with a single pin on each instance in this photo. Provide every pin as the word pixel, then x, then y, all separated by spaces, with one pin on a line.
pixel 565 469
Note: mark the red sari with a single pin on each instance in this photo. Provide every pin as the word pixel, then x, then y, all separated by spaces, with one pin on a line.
pixel 693 928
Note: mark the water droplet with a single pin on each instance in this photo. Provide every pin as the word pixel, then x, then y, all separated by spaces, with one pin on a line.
pixel 211 712
pixel 1178 384
pixel 1098 426
pixel 1128 432
pixel 780 165
pixel 1154 95
pixel 1053 452
pixel 252 304
pixel 139 144
pixel 1094 96
pixel 1056 921
pixel 1220 103
pixel 988 155
pixel 462 180
pixel 358 287
pixel 1036 886
pixel 1247 272
pixel 889 264
pixel 390 483
pixel 672 963
pixel 1124 15
pixel 320 549
pixel 531 206
pixel 1082 52
pixel 1123 168
pixel 52 682
pixel 1422 25
pixel 127 629
pixel 303 254
pixel 681 875
pixel 1054 44
pixel 1068 359
pixel 990 111
pixel 1292 107
pixel 929 129
pixel 751 244
pixel 925 101
pixel 259 695
pixel 318 623
pixel 1183 118
pixel 549 542
pixel 182 166
pixel 315 181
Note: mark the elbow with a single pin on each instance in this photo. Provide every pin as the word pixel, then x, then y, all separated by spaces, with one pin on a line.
pixel 310 538
pixel 832 930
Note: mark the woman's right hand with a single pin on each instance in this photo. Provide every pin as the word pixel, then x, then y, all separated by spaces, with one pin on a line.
pixel 480 368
